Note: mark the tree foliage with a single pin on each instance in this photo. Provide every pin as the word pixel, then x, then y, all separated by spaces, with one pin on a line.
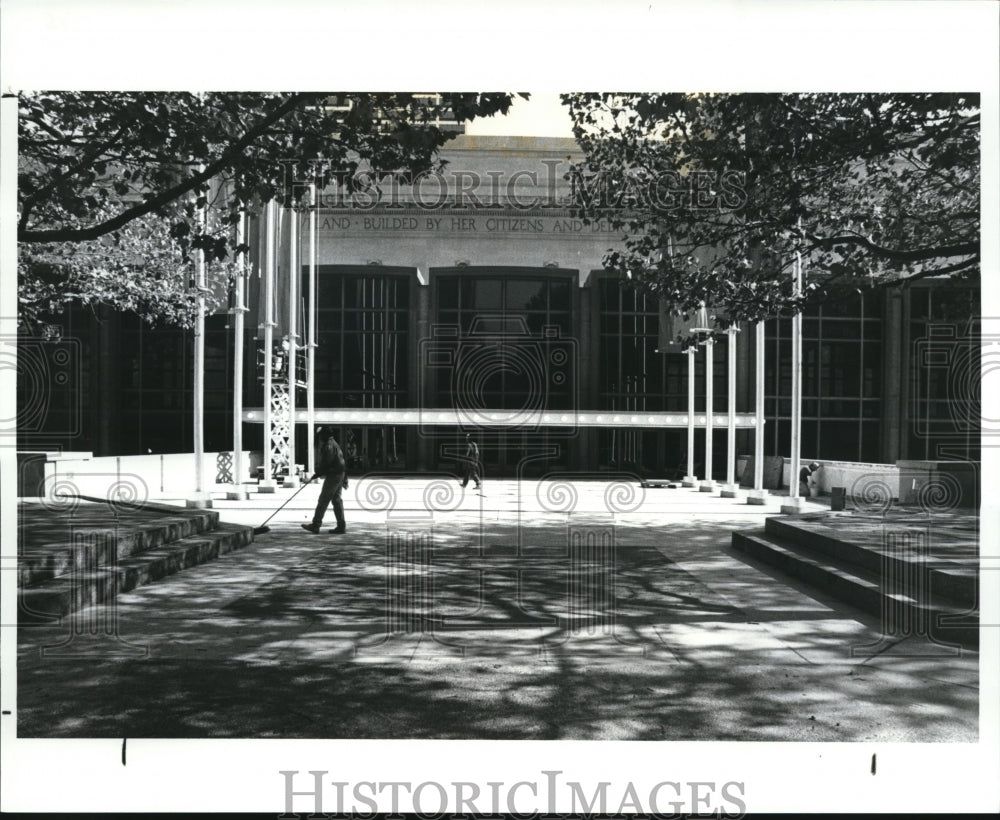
pixel 138 268
pixel 718 193
pixel 116 166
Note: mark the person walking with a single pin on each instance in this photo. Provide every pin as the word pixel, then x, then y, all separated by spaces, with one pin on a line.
pixel 330 464
pixel 471 462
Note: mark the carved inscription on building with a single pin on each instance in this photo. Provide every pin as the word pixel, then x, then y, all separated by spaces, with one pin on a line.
pixel 356 224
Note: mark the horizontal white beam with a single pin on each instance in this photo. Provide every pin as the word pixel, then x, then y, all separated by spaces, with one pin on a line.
pixel 500 418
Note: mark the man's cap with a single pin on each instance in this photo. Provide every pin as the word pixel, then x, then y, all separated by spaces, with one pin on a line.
pixel 814 465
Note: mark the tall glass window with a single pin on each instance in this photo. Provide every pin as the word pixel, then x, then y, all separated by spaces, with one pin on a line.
pixel 502 339
pixel 634 374
pixel 156 367
pixel 841 381
pixel 362 337
pixel 502 342
pixel 363 325
pixel 944 408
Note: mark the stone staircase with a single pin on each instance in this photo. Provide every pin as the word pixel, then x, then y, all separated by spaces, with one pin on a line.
pixel 79 551
pixel 919 574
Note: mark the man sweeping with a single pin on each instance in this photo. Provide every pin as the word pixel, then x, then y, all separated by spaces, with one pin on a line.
pixel 331 465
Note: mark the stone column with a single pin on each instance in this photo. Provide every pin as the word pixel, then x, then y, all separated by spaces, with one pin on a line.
pixel 420 389
pixel 891 426
pixel 587 344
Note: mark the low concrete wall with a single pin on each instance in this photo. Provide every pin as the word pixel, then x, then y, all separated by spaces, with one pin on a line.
pixel 138 476
pixel 939 483
pixel 857 478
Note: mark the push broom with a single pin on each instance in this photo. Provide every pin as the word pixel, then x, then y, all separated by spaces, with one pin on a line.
pixel 263 528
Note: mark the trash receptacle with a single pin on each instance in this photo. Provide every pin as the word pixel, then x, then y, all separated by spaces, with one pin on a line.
pixel 838 496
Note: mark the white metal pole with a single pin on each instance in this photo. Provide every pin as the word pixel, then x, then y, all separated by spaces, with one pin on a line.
pixel 758 444
pixel 793 479
pixel 199 378
pixel 690 479
pixel 267 484
pixel 709 402
pixel 731 421
pixel 200 499
pixel 291 480
pixel 239 309
pixel 311 349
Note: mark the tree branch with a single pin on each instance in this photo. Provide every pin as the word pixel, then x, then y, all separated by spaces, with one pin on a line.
pixel 171 194
pixel 965 264
pixel 89 157
pixel 916 255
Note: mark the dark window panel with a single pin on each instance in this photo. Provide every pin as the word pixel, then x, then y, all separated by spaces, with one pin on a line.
pixel 871 443
pixel 842 307
pixel 841 329
pixel 841 441
pixel 330 290
pixel 525 294
pixel 919 304
pixel 810 444
pixel 560 295
pixel 447 292
pixel 609 291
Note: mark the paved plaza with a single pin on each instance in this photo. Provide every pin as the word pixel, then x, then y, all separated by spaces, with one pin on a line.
pixel 591 610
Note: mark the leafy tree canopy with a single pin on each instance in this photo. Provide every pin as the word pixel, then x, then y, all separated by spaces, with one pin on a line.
pixel 717 193
pixel 138 268
pixel 97 170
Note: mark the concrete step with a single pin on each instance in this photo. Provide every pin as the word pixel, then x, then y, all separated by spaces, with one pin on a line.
pixel 100 583
pixel 891 552
pixel 903 613
pixel 86 543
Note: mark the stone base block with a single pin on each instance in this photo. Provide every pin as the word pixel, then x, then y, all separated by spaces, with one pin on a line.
pixel 793 506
